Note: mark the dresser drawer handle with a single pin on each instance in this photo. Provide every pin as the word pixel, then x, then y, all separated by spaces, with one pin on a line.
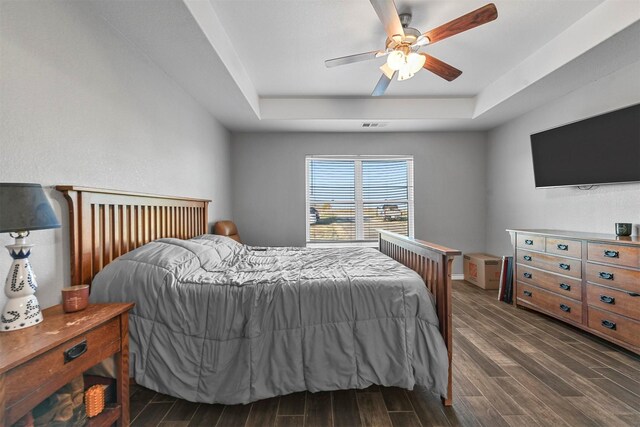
pixel 527 293
pixel 611 254
pixel 607 299
pixel 527 258
pixel 565 287
pixel 528 242
pixel 565 308
pixel 527 275
pixel 75 351
pixel 606 276
pixel 563 247
pixel 565 266
pixel 608 324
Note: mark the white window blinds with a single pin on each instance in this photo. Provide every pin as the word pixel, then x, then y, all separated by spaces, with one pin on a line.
pixel 349 198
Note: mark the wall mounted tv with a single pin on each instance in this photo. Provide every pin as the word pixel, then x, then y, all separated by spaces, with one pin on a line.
pixel 600 150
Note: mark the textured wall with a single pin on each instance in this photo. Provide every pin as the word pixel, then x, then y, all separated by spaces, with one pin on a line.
pixel 514 202
pixel 80 106
pixel 449 171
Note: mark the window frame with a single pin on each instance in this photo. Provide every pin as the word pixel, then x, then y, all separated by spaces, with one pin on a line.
pixel 359 201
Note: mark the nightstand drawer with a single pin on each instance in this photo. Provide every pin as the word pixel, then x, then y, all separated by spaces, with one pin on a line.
pixel 51 371
pixel 627 256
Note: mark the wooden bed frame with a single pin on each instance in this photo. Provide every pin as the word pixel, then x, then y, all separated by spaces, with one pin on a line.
pixel 434 264
pixel 105 224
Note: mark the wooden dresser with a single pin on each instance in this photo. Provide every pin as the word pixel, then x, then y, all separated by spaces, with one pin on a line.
pixel 591 281
pixel 36 361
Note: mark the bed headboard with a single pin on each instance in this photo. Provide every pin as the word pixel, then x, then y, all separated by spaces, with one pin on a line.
pixel 105 224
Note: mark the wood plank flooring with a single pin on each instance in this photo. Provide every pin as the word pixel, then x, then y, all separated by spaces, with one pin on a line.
pixel 512 367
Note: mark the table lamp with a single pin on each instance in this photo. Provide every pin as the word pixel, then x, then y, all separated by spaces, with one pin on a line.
pixel 23 208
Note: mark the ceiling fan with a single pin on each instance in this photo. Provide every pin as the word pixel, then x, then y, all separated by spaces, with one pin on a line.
pixel 403 43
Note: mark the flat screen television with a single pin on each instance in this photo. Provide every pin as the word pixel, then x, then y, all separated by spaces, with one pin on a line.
pixel 600 150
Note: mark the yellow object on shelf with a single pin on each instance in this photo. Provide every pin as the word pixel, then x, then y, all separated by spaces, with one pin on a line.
pixel 94 400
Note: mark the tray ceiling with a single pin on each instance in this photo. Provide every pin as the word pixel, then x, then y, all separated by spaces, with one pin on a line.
pixel 283 44
pixel 259 64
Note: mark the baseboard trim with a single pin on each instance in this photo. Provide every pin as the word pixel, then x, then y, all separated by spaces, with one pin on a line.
pixel 457 277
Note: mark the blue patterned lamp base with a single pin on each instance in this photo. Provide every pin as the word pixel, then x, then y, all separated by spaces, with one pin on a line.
pixel 21 313
pixel 22 308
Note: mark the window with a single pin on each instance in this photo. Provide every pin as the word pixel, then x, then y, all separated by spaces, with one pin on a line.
pixel 350 197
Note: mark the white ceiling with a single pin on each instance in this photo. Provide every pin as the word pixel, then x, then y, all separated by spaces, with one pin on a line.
pixel 283 43
pixel 259 64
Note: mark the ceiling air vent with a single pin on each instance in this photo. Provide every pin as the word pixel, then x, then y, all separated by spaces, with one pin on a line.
pixel 374 124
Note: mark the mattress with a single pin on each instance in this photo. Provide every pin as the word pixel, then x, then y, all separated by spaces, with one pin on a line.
pixel 216 321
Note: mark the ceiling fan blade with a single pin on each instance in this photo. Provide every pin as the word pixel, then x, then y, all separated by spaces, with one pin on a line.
pixel 344 60
pixel 388 14
pixel 382 85
pixel 440 68
pixel 387 71
pixel 466 22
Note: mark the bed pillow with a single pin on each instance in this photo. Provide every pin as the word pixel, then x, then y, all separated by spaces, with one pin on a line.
pixel 223 251
pixel 218 239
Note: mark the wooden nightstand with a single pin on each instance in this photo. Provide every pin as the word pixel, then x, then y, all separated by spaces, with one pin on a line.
pixel 36 361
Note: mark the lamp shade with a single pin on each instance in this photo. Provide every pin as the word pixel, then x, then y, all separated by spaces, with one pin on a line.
pixel 25 207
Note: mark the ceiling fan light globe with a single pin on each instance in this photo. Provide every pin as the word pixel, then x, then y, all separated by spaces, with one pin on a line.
pixel 396 60
pixel 422 41
pixel 415 62
pixel 405 74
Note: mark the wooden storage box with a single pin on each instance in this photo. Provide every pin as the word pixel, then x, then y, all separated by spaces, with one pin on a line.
pixel 483 270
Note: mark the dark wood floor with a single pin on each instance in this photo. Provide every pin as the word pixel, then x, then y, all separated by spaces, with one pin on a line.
pixel 512 367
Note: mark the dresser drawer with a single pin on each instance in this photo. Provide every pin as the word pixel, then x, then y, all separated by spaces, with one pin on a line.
pixel 51 368
pixel 561 285
pixel 629 280
pixel 567 266
pixel 564 247
pixel 609 299
pixel 550 302
pixel 530 241
pixel 628 256
pixel 614 325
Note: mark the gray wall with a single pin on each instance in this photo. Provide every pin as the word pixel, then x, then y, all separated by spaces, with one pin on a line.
pixel 80 106
pixel 269 183
pixel 513 201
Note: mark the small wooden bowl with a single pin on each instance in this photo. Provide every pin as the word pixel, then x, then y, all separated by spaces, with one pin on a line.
pixel 75 298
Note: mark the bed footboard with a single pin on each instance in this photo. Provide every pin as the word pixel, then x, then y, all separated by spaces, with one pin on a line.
pixel 433 263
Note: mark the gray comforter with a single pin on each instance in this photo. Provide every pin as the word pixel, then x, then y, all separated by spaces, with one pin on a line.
pixel 217 321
